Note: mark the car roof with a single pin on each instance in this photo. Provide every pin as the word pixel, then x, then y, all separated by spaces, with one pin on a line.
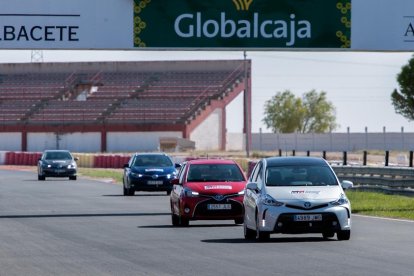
pixel 210 161
pixel 56 151
pixel 295 160
pixel 150 153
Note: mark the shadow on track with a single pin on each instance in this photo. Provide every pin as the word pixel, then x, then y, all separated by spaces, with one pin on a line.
pixel 190 226
pixel 83 215
pixel 271 240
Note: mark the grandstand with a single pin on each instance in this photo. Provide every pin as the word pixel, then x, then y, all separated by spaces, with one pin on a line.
pixel 171 97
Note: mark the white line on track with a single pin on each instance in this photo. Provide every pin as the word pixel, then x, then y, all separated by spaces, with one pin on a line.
pixel 391 219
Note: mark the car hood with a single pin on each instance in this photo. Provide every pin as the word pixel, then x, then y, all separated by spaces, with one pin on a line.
pixel 152 170
pixel 211 188
pixel 308 193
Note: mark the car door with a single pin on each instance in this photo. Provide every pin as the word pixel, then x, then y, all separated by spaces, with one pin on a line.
pixel 177 188
pixel 251 196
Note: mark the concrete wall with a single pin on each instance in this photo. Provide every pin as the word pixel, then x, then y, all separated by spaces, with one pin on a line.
pixel 10 141
pixel 333 141
pixel 136 141
pixel 235 142
pixel 76 142
pixel 207 135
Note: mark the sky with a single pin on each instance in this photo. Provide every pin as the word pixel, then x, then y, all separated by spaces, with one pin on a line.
pixel 359 84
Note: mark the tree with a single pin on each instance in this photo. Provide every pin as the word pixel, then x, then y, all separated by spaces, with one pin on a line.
pixel 403 100
pixel 286 113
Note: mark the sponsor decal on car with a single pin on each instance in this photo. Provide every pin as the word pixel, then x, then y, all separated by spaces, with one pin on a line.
pixel 212 187
pixel 154 170
pixel 305 192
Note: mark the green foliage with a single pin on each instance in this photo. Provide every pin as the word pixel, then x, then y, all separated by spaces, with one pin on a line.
pixel 286 113
pixel 381 205
pixel 403 100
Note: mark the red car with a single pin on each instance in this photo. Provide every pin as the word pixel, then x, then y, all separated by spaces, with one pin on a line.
pixel 208 189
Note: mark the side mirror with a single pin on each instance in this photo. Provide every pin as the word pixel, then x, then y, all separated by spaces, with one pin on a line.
pixel 177 166
pixel 76 158
pixel 126 165
pixel 252 186
pixel 346 184
pixel 175 181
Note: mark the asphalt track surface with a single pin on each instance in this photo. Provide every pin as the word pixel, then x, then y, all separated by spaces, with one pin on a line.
pixel 86 227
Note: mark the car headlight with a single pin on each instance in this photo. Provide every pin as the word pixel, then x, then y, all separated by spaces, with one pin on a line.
pixel 270 201
pixel 72 166
pixel 172 175
pixel 190 193
pixel 241 192
pixel 136 174
pixel 341 201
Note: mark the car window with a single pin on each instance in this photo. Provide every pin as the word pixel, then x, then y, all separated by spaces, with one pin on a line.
pixel 153 160
pixel 300 176
pixel 214 173
pixel 182 173
pixel 58 155
pixel 258 178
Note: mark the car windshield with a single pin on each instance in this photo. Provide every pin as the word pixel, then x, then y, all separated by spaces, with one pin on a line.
pixel 58 155
pixel 153 161
pixel 214 173
pixel 300 176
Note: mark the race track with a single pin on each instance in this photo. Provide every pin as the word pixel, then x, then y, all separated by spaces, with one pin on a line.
pixel 86 227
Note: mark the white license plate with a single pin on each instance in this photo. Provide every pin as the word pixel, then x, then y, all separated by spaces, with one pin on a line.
pixel 219 206
pixel 310 217
pixel 154 182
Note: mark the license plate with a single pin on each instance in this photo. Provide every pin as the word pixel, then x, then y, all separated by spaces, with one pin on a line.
pixel 59 171
pixel 219 206
pixel 154 182
pixel 310 217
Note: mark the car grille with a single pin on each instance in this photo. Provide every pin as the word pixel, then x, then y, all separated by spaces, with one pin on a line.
pixel 297 227
pixel 307 209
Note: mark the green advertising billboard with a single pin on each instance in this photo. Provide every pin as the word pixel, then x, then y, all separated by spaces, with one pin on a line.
pixel 222 24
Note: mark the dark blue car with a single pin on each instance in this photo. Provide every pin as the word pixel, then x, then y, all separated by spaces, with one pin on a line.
pixel 149 172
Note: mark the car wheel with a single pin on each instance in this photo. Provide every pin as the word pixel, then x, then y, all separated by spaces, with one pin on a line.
pixel 168 192
pixel 343 235
pixel 128 191
pixel 175 221
pixel 239 221
pixel 249 234
pixel 261 235
pixel 41 177
pixel 327 235
pixel 72 177
pixel 184 222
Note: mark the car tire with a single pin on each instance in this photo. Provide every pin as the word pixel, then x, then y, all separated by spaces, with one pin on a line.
pixel 343 235
pixel 72 177
pixel 168 193
pixel 261 235
pixel 249 234
pixel 41 177
pixel 175 220
pixel 184 222
pixel 239 221
pixel 128 192
pixel 327 235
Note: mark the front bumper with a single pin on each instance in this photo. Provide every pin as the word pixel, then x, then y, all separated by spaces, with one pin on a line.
pixel 198 208
pixel 281 220
pixel 149 184
pixel 60 172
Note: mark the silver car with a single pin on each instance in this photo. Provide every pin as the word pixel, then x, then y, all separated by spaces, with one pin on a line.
pixel 295 195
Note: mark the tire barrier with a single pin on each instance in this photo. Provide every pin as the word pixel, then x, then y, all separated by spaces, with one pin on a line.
pixel 110 161
pixel 21 158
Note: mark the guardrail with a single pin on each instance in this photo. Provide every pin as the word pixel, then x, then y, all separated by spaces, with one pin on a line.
pixel 395 180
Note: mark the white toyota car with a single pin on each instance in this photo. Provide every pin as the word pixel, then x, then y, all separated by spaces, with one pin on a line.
pixel 295 195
